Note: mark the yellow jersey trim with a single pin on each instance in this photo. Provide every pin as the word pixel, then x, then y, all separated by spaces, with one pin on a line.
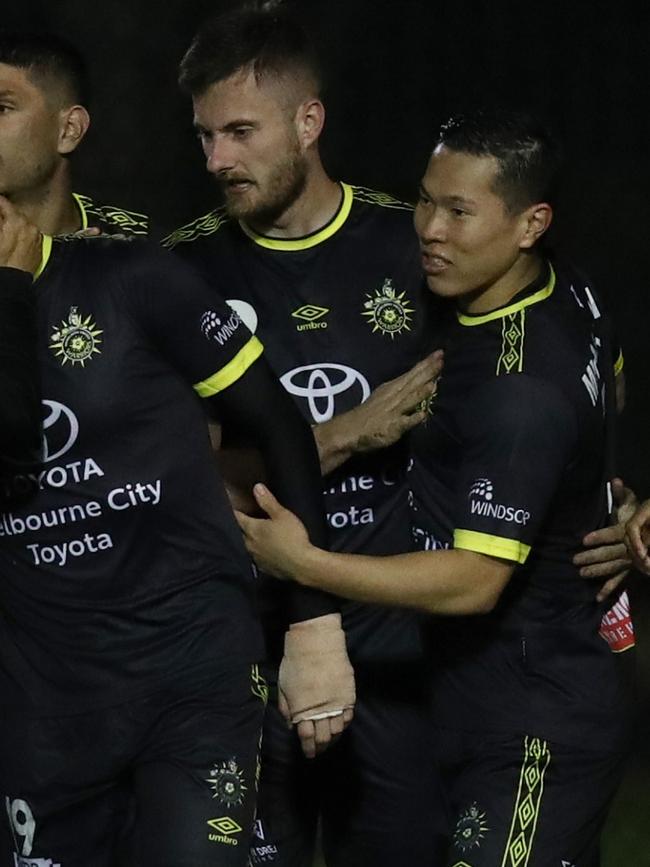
pixel 46 252
pixel 82 210
pixel 619 364
pixel 540 295
pixel 235 368
pixel 309 240
pixel 493 546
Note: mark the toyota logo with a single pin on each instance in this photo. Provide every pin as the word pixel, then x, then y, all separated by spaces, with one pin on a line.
pixel 60 430
pixel 321 383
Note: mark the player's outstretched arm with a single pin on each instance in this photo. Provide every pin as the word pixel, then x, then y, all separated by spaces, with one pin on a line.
pixel 391 410
pixel 316 680
pixel 605 554
pixel 637 537
pixel 452 582
pixel 20 409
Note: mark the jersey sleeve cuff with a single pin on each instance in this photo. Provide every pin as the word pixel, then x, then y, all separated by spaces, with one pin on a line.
pixel 493 546
pixel 235 368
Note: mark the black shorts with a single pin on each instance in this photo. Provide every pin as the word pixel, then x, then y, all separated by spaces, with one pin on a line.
pixel 523 801
pixel 375 791
pixel 177 769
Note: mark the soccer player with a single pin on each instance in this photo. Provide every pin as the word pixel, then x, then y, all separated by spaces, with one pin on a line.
pixel 509 473
pixel 129 639
pixel 43 97
pixel 328 274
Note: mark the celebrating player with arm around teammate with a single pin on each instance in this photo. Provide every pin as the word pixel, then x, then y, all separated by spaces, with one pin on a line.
pixel 328 275
pixel 509 473
pixel 129 638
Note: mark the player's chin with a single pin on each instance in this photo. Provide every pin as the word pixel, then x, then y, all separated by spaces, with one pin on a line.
pixel 442 285
pixel 241 205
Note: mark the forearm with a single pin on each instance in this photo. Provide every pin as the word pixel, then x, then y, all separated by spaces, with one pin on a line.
pixel 452 582
pixel 261 412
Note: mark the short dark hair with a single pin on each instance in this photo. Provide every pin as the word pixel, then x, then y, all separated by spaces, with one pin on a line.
pixel 266 36
pixel 526 149
pixel 47 59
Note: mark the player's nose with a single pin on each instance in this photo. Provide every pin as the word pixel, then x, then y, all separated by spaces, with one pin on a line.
pixel 219 157
pixel 432 227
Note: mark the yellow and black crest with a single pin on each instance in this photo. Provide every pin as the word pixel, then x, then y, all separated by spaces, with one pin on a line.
pixel 387 311
pixel 77 339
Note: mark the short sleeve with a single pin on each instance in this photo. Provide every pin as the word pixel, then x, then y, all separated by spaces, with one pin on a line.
pixel 189 321
pixel 518 434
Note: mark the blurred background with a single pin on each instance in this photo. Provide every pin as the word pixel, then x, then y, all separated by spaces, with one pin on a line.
pixel 395 71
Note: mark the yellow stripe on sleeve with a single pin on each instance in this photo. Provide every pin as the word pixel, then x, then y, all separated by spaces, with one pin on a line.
pixel 235 368
pixel 494 546
pixel 619 363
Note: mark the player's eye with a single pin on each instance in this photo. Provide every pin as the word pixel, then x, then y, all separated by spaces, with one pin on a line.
pixel 459 212
pixel 241 132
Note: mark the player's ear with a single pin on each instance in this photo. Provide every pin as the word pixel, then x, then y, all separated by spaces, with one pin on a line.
pixel 535 221
pixel 310 119
pixel 73 125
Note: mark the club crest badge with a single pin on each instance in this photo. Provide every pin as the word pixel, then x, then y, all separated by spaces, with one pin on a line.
pixel 387 311
pixel 470 829
pixel 77 339
pixel 227 783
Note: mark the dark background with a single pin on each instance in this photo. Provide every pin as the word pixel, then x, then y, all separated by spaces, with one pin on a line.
pixel 394 72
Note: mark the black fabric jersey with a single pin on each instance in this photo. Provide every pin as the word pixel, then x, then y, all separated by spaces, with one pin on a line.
pixel 340 311
pixel 127 568
pixel 512 464
pixel 20 406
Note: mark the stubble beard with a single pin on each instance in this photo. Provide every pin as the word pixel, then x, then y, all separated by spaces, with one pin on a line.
pixel 284 186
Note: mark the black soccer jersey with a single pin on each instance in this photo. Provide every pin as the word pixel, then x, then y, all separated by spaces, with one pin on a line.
pixel 127 568
pixel 512 464
pixel 340 311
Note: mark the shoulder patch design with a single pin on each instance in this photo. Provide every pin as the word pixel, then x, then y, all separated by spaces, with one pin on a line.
pixel 127 222
pixel 384 200
pixel 208 224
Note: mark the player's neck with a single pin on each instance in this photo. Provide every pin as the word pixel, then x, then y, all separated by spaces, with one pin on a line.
pixel 314 208
pixel 522 273
pixel 51 207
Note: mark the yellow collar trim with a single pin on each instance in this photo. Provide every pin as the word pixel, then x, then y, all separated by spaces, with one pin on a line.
pixel 309 240
pixel 46 252
pixel 540 295
pixel 82 211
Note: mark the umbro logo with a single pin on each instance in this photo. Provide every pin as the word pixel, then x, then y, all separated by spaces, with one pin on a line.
pixel 225 829
pixel 225 825
pixel 311 316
